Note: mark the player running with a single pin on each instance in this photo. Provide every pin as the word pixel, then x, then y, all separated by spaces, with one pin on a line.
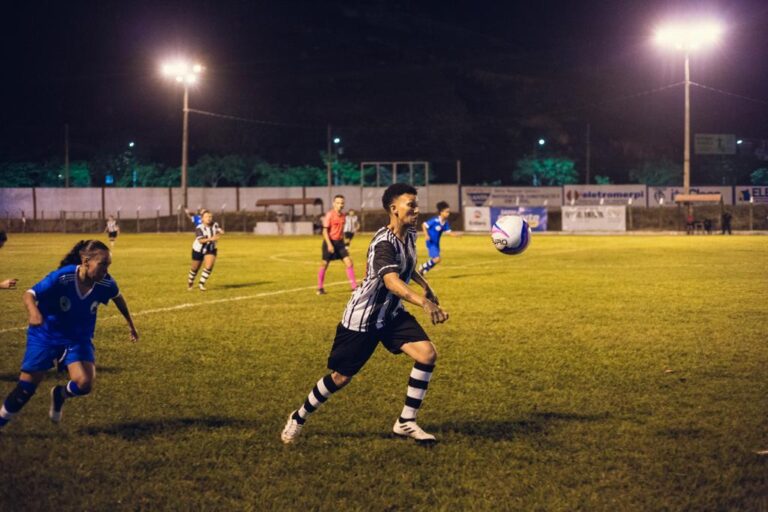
pixel 204 250
pixel 62 318
pixel 112 230
pixel 333 244
pixel 375 314
pixel 351 225
pixel 433 229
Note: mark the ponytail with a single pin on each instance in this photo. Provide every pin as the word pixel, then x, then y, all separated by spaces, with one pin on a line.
pixel 82 248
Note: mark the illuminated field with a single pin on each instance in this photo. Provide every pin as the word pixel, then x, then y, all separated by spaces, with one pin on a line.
pixel 605 373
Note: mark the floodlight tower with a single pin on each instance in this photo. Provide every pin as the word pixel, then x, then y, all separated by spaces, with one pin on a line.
pixel 187 75
pixel 688 38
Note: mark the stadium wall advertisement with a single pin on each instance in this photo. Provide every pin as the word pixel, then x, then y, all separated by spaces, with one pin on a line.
pixel 656 194
pixel 758 194
pixel 481 218
pixel 594 218
pixel 578 195
pixel 512 196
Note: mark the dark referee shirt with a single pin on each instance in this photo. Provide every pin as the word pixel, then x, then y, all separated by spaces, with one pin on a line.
pixel 372 305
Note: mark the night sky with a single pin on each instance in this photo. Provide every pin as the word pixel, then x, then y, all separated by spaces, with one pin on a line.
pixel 439 81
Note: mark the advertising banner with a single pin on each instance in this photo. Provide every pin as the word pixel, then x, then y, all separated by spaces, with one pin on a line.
pixel 714 144
pixel 512 196
pixel 536 217
pixel 594 218
pixel 665 196
pixel 758 194
pixel 576 195
pixel 477 218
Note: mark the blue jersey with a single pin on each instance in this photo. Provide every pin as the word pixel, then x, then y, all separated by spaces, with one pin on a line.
pixel 68 315
pixel 435 229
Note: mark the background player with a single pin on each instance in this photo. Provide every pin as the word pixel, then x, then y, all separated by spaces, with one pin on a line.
pixel 195 218
pixel 204 250
pixel 351 225
pixel 375 314
pixel 7 284
pixel 333 244
pixel 433 229
pixel 112 230
pixel 62 318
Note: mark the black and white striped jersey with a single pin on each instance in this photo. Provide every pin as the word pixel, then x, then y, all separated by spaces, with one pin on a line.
pixel 203 231
pixel 373 305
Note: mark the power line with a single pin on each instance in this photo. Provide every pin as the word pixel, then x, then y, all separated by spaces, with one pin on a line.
pixel 747 98
pixel 255 121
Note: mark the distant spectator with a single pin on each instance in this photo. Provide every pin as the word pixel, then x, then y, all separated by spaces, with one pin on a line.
pixel 690 224
pixel 280 218
pixel 726 225
pixel 708 226
pixel 8 284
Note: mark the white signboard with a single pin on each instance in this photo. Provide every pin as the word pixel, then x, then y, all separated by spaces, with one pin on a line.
pixel 512 196
pixel 758 194
pixel 665 196
pixel 477 218
pixel 594 218
pixel 714 144
pixel 576 195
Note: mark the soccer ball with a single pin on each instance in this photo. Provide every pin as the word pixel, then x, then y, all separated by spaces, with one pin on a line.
pixel 511 234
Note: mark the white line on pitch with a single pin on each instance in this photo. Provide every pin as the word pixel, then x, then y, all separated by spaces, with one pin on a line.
pixel 202 303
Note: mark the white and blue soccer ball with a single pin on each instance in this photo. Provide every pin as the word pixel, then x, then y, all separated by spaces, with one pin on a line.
pixel 511 234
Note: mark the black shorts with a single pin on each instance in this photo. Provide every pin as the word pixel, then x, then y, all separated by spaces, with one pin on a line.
pixel 339 251
pixel 349 235
pixel 112 235
pixel 198 256
pixel 352 349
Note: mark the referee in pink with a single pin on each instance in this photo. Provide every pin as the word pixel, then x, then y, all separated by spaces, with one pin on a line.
pixel 333 244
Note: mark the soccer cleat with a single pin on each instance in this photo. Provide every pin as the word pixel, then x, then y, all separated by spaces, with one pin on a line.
pixel 202 287
pixel 411 429
pixel 291 430
pixel 321 291
pixel 190 287
pixel 57 403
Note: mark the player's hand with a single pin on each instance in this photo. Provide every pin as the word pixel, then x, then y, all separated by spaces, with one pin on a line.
pixel 134 334
pixel 9 284
pixel 435 312
pixel 330 248
pixel 35 318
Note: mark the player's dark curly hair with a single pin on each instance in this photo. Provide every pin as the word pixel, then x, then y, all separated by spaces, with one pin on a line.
pixel 82 248
pixel 442 205
pixel 395 191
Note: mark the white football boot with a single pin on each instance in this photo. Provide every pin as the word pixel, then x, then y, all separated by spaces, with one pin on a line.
pixel 291 430
pixel 411 429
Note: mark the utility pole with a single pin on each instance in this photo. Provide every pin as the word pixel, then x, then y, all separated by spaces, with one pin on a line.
pixel 66 155
pixel 328 162
pixel 589 153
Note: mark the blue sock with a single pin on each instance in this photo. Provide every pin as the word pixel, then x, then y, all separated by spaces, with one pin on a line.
pixel 427 266
pixel 72 390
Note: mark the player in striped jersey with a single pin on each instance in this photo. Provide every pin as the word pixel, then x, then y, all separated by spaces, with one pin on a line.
pixel 62 318
pixel 204 250
pixel 112 230
pixel 375 314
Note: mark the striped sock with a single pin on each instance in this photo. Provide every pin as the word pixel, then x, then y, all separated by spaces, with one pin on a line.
pixel 205 275
pixel 191 277
pixel 427 266
pixel 417 389
pixel 322 391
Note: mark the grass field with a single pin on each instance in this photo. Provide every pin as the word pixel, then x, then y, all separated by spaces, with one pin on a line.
pixel 592 373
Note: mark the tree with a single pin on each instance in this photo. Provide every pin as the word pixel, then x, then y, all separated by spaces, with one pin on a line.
pixel 759 177
pixel 659 173
pixel 212 171
pixel 602 180
pixel 550 171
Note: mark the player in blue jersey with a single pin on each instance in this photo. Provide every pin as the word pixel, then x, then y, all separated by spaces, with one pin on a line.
pixel 433 229
pixel 62 318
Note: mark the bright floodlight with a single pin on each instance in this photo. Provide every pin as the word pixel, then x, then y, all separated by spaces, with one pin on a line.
pixel 542 142
pixel 336 140
pixel 182 71
pixel 689 37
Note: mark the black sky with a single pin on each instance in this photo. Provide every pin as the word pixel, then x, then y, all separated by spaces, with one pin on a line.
pixel 397 80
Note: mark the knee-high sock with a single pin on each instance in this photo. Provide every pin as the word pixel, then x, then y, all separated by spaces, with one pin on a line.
pixel 321 277
pixel 351 276
pixel 418 382
pixel 191 276
pixel 205 275
pixel 322 391
pixel 17 399
pixel 427 266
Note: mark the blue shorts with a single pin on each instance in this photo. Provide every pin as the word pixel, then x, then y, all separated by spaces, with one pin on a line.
pixel 41 355
pixel 433 249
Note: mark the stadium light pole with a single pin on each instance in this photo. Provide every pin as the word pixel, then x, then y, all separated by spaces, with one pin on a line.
pixel 187 75
pixel 688 38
